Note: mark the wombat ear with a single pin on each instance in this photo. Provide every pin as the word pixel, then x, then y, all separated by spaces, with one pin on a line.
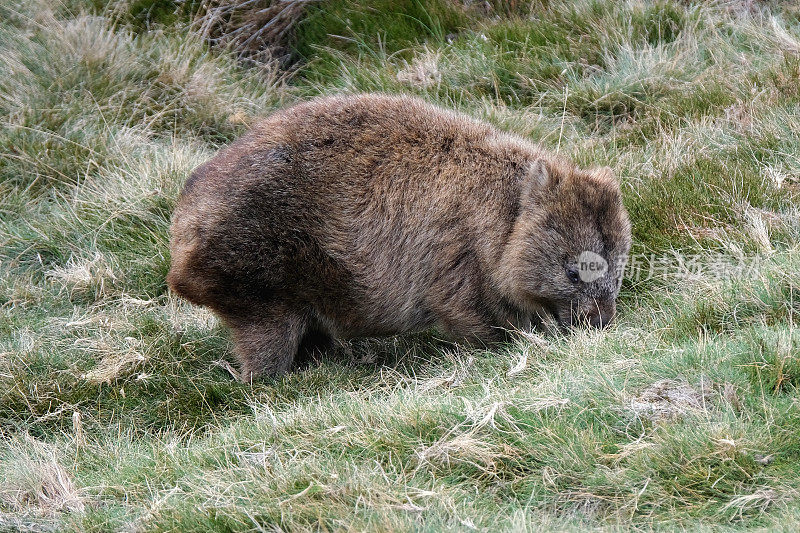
pixel 537 179
pixel 540 174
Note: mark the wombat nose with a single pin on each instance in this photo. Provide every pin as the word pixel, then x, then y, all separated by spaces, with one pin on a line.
pixel 600 319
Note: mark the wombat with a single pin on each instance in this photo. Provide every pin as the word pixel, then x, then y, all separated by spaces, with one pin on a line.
pixel 373 215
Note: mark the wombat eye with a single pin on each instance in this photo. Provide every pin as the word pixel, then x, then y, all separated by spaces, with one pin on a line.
pixel 573 276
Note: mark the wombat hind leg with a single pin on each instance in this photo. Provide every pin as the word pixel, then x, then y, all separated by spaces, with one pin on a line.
pixel 266 342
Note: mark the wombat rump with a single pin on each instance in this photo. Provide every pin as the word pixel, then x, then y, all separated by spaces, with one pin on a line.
pixel 374 215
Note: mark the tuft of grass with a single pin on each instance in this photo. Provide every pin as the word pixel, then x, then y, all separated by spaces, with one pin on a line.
pixel 118 405
pixel 258 33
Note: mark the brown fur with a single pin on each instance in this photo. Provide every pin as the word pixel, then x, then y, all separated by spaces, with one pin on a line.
pixel 375 215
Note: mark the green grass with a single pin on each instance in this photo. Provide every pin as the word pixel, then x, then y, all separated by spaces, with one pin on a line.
pixel 117 407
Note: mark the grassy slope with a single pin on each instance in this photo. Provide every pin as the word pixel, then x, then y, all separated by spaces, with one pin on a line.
pixel 116 408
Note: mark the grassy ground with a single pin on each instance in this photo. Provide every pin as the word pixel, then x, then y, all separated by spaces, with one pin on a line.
pixel 117 409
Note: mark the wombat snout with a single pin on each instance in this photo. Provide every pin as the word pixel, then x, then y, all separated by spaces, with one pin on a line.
pixel 599 319
pixel 599 316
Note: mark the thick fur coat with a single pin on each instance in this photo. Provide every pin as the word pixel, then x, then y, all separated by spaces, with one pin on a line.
pixel 374 215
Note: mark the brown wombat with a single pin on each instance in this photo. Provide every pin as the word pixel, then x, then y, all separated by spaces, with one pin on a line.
pixel 374 215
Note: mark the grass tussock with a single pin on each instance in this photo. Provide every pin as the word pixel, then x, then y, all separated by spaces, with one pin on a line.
pixel 118 407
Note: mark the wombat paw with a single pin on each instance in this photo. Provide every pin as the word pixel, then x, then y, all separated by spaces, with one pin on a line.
pixel 249 374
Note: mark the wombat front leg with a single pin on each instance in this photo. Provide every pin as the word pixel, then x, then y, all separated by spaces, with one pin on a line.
pixel 266 341
pixel 471 327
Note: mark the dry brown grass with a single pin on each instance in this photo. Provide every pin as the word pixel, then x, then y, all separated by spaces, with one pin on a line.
pixel 37 483
pixel 257 30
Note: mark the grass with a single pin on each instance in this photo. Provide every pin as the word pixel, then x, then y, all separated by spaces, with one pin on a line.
pixel 117 407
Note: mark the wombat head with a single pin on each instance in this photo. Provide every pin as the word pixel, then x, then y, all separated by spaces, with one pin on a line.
pixel 569 244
